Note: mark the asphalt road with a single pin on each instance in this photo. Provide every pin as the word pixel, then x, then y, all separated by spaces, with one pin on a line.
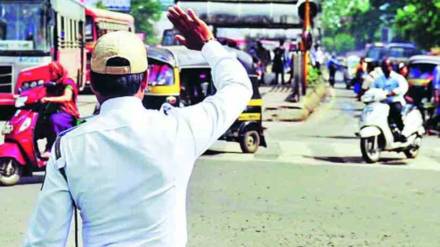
pixel 309 188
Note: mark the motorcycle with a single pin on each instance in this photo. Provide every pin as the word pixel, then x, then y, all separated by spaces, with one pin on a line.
pixel 376 134
pixel 19 154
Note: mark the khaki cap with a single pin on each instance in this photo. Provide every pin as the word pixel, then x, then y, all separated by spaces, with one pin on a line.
pixel 121 44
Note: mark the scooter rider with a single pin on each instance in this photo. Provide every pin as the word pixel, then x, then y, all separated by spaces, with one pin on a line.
pixel 396 86
pixel 61 99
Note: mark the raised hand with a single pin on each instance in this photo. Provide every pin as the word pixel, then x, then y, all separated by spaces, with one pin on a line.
pixel 194 33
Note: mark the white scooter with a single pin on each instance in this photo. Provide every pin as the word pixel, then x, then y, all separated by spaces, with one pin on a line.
pixel 376 134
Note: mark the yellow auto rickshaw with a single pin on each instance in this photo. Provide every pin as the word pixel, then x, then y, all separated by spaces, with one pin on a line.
pixel 182 77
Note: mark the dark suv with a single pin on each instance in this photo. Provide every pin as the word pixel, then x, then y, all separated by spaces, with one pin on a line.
pixel 397 52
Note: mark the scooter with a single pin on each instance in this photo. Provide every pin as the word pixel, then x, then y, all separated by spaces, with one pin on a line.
pixel 19 154
pixel 377 135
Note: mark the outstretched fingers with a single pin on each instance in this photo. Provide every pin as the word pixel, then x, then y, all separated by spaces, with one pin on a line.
pixel 194 17
pixel 181 40
pixel 176 19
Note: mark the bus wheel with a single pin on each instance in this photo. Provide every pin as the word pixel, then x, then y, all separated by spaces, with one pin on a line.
pixel 250 141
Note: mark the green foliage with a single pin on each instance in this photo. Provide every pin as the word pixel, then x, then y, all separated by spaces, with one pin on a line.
pixel 340 43
pixel 313 77
pixel 146 12
pixel 419 21
pixel 362 19
pixel 101 5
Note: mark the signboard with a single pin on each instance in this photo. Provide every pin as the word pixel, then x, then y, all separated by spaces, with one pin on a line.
pixel 16 45
pixel 115 5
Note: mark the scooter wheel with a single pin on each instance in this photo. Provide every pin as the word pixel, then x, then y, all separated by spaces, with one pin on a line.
pixel 370 150
pixel 10 172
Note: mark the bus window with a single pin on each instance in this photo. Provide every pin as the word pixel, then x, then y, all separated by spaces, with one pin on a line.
pixel 89 29
pixel 61 28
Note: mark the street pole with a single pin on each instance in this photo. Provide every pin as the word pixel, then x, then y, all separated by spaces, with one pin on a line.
pixel 306 28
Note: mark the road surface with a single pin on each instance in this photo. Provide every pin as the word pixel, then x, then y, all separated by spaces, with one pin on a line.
pixel 309 188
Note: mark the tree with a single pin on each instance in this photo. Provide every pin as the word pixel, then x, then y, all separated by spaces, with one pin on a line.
pixel 342 42
pixel 343 16
pixel 146 12
pixel 363 19
pixel 419 21
pixel 101 5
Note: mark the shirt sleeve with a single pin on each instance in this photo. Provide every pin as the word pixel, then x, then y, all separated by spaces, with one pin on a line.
pixel 403 85
pixel 50 222
pixel 207 121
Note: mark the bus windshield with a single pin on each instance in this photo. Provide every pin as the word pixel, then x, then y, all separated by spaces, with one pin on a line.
pixel 24 27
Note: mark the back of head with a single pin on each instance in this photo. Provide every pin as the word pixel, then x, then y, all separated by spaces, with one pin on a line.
pixel 119 64
pixel 57 71
pixel 386 66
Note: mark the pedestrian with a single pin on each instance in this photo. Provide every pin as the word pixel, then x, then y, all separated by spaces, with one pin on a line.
pixel 332 66
pixel 436 89
pixel 403 70
pixel 263 56
pixel 278 63
pixel 360 74
pixel 317 58
pixel 61 110
pixel 127 169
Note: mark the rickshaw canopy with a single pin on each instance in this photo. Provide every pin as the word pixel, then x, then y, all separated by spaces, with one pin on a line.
pixel 425 59
pixel 184 58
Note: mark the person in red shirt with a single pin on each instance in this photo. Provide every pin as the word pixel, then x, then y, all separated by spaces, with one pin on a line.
pixel 61 99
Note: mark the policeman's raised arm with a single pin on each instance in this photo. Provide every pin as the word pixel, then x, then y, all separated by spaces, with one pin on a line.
pixel 208 120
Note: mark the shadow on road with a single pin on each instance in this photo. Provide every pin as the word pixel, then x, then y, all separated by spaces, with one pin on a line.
pixel 217 152
pixel 393 161
pixel 358 160
pixel 31 180
pixel 335 159
pixel 334 137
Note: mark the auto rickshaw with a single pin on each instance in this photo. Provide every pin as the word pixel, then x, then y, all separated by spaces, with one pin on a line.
pixel 420 78
pixel 182 77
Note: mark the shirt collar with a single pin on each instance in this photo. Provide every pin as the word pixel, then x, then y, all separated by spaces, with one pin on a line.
pixel 126 103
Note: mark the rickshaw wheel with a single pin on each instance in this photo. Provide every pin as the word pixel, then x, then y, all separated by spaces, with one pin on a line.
pixel 250 141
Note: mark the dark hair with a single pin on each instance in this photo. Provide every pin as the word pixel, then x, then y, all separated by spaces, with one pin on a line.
pixel 116 85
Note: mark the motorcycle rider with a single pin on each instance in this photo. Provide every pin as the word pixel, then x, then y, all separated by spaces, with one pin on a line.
pixel 62 109
pixel 396 87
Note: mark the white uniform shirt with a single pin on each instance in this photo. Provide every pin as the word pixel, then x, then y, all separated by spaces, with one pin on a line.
pixel 394 83
pixel 128 168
